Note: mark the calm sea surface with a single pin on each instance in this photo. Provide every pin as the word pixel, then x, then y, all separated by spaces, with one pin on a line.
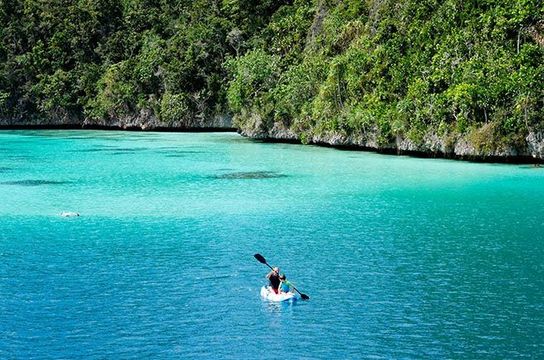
pixel 401 257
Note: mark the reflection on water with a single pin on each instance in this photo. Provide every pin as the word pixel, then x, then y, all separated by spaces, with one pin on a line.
pixel 279 307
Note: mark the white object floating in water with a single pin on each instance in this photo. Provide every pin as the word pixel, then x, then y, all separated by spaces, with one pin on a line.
pixel 69 213
pixel 267 293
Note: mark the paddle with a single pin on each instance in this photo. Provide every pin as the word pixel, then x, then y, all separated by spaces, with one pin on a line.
pixel 262 260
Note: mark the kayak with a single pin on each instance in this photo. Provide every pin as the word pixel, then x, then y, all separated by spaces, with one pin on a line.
pixel 268 294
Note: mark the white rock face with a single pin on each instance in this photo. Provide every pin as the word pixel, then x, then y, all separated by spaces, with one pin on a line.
pixel 144 120
pixel 535 144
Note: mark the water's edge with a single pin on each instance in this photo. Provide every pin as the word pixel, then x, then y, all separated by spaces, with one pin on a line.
pixel 115 128
pixel 432 146
pixel 533 154
pixel 504 159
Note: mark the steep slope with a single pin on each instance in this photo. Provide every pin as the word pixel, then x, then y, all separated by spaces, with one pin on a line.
pixel 454 78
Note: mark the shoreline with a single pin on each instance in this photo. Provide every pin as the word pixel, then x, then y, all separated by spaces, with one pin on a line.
pixel 117 128
pixel 510 160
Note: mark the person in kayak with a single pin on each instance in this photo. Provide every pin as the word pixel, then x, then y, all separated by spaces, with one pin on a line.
pixel 274 278
pixel 285 285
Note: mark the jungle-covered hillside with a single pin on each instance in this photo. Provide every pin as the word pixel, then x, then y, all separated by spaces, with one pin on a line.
pixel 423 75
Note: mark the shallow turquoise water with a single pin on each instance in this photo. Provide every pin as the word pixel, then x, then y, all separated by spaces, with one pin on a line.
pixel 402 257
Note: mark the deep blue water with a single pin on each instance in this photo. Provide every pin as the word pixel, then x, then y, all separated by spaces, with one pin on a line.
pixel 401 257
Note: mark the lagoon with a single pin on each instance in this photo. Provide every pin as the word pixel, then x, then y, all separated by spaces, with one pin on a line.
pixel 401 257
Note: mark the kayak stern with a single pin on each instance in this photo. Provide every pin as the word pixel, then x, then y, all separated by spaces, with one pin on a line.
pixel 268 294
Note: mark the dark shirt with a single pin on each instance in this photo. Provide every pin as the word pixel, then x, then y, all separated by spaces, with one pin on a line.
pixel 274 280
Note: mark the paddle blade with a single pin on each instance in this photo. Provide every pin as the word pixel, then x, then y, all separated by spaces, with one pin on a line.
pixel 304 297
pixel 260 258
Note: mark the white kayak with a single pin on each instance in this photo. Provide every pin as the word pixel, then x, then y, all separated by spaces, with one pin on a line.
pixel 268 294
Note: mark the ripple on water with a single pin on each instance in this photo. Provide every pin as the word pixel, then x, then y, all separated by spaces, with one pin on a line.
pixel 401 258
pixel 130 149
pixel 249 175
pixel 34 182
pixel 95 149
pixel 174 156
pixel 113 149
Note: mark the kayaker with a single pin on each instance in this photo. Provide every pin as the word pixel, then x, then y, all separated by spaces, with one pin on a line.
pixel 285 285
pixel 274 278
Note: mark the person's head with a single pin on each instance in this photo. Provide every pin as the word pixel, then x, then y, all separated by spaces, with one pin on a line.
pixel 276 270
pixel 282 277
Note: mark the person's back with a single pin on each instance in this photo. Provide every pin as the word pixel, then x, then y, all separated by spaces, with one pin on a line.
pixel 274 278
pixel 285 286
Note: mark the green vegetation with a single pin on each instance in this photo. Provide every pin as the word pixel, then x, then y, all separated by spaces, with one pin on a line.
pixel 110 59
pixel 381 69
pixel 404 69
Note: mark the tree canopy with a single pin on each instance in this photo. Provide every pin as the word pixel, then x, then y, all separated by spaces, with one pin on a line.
pixel 384 67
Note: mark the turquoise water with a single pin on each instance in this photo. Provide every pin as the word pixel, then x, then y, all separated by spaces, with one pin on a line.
pixel 401 257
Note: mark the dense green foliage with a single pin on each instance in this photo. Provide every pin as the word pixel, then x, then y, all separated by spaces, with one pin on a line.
pixel 384 67
pixel 107 59
pixel 400 68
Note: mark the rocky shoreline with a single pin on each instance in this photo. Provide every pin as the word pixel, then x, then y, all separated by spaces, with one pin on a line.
pixel 433 146
pixel 144 121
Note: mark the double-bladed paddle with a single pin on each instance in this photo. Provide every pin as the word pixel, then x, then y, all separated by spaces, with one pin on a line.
pixel 262 260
